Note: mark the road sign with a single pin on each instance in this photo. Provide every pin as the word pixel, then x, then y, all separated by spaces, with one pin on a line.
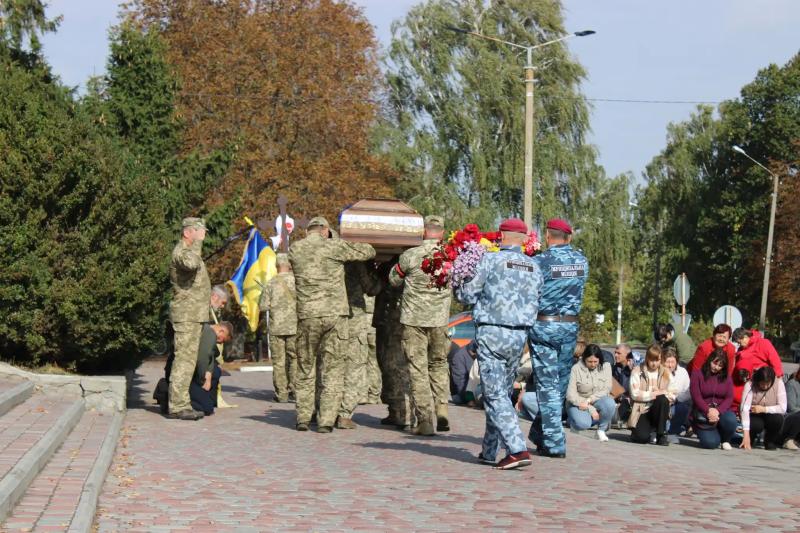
pixel 728 314
pixel 676 321
pixel 680 289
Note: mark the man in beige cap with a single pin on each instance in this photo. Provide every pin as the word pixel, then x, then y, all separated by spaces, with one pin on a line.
pixel 279 299
pixel 188 310
pixel 322 310
pixel 424 314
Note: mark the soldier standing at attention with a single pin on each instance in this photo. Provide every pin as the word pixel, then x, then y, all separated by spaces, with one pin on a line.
pixel 505 293
pixel 279 298
pixel 188 310
pixel 554 335
pixel 357 282
pixel 424 315
pixel 322 310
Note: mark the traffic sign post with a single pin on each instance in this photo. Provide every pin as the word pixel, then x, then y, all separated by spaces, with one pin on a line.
pixel 680 290
pixel 728 314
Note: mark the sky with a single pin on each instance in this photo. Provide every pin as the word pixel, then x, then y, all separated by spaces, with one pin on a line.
pixel 653 50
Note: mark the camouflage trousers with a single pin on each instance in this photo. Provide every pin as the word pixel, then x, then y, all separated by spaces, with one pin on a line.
pixel 187 344
pixel 355 371
pixel 319 341
pixel 396 390
pixel 499 353
pixel 552 348
pixel 284 365
pixel 425 350
pixel 374 382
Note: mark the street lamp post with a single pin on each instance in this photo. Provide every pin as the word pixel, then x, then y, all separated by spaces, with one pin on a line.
pixel 529 86
pixel 762 319
pixel 621 278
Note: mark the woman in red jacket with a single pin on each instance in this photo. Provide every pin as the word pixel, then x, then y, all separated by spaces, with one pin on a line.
pixel 720 338
pixel 754 352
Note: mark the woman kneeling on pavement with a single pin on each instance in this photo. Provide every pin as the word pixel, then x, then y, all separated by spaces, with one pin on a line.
pixel 652 391
pixel 763 407
pixel 588 394
pixel 712 397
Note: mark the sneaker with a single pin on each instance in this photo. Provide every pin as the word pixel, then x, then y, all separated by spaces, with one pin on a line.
pixel 324 429
pixel 601 436
pixel 486 460
pixel 345 423
pixel 727 446
pixel 790 444
pixel 662 440
pixel 515 460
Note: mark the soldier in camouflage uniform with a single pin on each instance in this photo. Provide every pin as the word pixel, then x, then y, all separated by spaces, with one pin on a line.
pixel 396 390
pixel 505 293
pixel 322 310
pixel 372 394
pixel 278 297
pixel 424 315
pixel 188 310
pixel 552 338
pixel 358 281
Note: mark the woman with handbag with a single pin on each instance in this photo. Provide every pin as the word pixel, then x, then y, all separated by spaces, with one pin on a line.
pixel 652 391
pixel 713 420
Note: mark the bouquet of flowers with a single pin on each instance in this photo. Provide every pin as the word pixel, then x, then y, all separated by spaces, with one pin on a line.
pixel 455 261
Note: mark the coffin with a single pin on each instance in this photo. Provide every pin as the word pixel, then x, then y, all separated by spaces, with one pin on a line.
pixel 390 226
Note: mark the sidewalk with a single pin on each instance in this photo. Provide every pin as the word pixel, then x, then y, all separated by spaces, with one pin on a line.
pixel 247 469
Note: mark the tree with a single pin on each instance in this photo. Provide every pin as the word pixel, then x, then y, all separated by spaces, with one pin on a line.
pixel 291 84
pixel 785 277
pixel 21 22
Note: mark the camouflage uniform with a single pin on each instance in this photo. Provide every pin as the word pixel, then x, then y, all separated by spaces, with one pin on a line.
pixel 188 310
pixel 396 390
pixel 424 314
pixel 553 343
pixel 322 310
pixel 357 281
pixel 374 384
pixel 279 298
pixel 505 293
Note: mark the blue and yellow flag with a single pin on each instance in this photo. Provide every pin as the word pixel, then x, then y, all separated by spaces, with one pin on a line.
pixel 257 267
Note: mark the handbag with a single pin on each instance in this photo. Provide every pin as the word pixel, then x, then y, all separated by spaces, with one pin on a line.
pixel 700 418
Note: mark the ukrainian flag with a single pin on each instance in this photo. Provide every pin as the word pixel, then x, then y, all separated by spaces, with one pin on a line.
pixel 256 268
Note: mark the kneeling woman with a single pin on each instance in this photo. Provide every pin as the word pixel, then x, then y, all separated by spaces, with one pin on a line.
pixel 763 407
pixel 712 396
pixel 588 394
pixel 652 392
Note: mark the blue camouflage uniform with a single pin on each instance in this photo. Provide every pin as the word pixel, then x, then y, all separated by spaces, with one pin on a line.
pixel 552 343
pixel 505 293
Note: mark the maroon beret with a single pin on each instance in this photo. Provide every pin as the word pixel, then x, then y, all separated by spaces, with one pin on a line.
pixel 559 225
pixel 514 225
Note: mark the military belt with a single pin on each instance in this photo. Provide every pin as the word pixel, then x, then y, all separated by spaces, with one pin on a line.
pixel 557 318
pixel 479 324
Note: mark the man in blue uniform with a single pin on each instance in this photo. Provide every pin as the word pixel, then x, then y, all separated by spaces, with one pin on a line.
pixel 505 293
pixel 553 336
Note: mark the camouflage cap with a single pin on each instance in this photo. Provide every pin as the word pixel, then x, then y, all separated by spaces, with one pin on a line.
pixel 318 221
pixel 193 222
pixel 434 220
pixel 282 259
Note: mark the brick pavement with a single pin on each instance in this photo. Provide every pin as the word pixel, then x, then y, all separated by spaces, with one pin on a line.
pixel 247 469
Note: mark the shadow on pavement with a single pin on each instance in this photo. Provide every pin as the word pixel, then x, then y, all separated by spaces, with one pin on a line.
pixel 414 444
pixel 253 394
pixel 285 418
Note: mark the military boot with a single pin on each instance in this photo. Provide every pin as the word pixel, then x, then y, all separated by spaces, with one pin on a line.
pixel 425 428
pixel 345 423
pixel 442 423
pixel 392 419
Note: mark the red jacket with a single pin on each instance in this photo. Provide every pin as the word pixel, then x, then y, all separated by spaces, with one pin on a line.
pixel 759 352
pixel 705 349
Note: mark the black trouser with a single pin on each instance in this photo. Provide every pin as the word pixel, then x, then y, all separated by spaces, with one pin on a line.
pixel 655 419
pixel 769 422
pixel 203 400
pixel 791 427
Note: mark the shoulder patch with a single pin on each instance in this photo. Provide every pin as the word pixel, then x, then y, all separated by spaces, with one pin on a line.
pixel 520 265
pixel 567 271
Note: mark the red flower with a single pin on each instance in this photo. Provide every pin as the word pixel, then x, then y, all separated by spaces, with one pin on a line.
pixel 426 265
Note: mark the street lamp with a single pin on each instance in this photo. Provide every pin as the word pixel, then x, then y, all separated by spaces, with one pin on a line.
pixel 763 316
pixel 621 271
pixel 529 79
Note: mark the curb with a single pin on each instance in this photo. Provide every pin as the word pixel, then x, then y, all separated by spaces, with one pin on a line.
pixel 83 518
pixel 15 396
pixel 16 482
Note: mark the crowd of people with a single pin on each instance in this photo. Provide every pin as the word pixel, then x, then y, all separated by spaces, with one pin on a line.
pixel 345 329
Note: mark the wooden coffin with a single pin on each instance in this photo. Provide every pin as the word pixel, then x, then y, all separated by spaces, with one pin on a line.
pixel 389 225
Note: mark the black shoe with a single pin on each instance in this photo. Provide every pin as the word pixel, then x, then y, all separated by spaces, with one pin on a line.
pixel 442 424
pixel 292 398
pixel 389 421
pixel 662 440
pixel 485 460
pixel 770 446
pixel 551 455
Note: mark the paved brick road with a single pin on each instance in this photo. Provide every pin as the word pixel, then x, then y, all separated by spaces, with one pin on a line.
pixel 246 469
